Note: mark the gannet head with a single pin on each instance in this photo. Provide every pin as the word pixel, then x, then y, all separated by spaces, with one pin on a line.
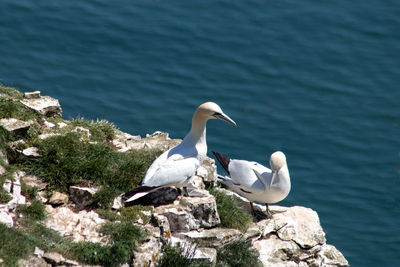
pixel 210 110
pixel 277 160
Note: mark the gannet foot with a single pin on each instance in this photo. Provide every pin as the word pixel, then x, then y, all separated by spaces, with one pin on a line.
pixel 186 193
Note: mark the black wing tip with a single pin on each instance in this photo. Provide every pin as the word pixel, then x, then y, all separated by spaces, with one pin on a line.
pixel 223 160
pixel 139 189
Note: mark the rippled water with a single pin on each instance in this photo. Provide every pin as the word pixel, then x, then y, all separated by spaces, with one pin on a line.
pixel 316 79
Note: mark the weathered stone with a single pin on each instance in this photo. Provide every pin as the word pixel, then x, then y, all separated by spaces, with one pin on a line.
pixel 208 254
pixel 16 126
pixel 33 261
pixel 32 180
pixel 31 95
pixel 38 252
pixel 274 251
pixel 214 237
pixel 117 203
pixel 15 190
pixel 208 171
pixel 47 135
pixel 82 196
pixel 49 124
pixel 157 140
pixel 6 218
pixel 44 105
pixel 301 225
pixel 190 213
pixel 31 152
pixel 61 125
pixel 148 253
pixel 253 232
pixel 81 226
pixel 163 224
pixel 332 257
pixel 195 187
pixel 58 198
pixel 195 182
pixel 53 258
pixel 203 209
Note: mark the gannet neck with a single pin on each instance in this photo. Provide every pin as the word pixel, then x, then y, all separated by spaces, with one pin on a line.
pixel 198 131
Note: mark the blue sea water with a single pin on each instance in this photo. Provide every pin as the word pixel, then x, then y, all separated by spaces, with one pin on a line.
pixel 318 80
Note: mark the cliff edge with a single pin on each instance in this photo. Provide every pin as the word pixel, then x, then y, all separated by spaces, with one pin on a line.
pixel 60 187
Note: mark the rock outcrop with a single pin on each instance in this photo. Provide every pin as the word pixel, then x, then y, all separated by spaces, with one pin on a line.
pixel 292 237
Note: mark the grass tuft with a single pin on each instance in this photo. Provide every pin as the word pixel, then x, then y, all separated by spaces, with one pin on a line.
pixel 10 108
pixel 231 215
pixel 66 160
pixel 176 256
pixel 100 130
pixel 133 213
pixel 10 92
pixel 123 239
pixel 239 253
pixel 4 196
pixel 34 212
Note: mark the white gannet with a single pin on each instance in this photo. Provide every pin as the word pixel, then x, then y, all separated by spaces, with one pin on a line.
pixel 175 166
pixel 255 181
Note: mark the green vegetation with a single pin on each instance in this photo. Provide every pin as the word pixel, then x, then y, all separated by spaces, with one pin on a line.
pixel 10 92
pixel 4 196
pixel 16 243
pixel 175 256
pixel 34 211
pixel 10 108
pixel 66 160
pixel 231 215
pixel 123 239
pixel 237 254
pixel 100 130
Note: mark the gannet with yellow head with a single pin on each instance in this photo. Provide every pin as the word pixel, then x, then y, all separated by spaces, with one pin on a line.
pixel 175 166
pixel 255 181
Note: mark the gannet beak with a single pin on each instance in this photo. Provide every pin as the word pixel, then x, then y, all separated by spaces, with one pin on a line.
pixel 224 117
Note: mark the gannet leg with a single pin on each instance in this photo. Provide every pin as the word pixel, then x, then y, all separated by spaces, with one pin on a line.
pixel 252 209
pixel 186 193
pixel 268 211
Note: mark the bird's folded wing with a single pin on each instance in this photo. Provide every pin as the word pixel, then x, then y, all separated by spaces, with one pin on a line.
pixel 173 171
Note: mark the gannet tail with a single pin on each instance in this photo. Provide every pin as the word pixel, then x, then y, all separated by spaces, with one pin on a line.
pixel 223 160
pixel 137 193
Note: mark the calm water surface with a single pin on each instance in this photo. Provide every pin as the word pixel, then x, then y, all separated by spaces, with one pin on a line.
pixel 318 80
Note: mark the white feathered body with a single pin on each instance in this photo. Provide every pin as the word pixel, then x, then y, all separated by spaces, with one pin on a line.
pixel 245 182
pixel 175 166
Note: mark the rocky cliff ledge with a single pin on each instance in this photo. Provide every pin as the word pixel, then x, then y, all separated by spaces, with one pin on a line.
pixel 74 215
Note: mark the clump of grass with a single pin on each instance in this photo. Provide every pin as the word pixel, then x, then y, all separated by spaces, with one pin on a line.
pixel 66 160
pixel 17 243
pixel 239 253
pixel 133 213
pixel 30 192
pixel 4 196
pixel 123 238
pixel 14 244
pixel 10 108
pixel 34 212
pixel 10 92
pixel 176 256
pixel 231 215
pixel 100 130
pixel 108 215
